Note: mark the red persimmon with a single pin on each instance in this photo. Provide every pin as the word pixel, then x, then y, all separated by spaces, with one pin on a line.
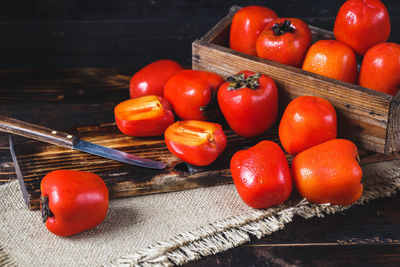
pixel 144 116
pixel 284 40
pixel 307 121
pixel 151 79
pixel 329 173
pixel 262 175
pixel 195 142
pixel 247 24
pixel 332 59
pixel 249 103
pixel 380 68
pixel 361 24
pixel 72 201
pixel 192 93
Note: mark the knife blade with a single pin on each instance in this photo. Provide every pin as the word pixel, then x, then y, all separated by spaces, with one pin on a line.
pixel 40 133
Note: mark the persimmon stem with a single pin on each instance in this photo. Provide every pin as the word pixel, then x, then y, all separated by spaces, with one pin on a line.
pixel 283 28
pixel 239 81
pixel 44 207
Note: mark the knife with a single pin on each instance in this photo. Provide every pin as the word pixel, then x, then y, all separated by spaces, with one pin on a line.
pixel 40 133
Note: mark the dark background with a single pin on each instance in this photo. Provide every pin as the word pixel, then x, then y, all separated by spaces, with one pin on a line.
pixel 130 33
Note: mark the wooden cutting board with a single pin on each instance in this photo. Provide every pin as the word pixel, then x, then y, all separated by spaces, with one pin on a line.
pixel 36 159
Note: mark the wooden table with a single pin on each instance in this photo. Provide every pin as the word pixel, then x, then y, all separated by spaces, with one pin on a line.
pixel 129 34
pixel 364 235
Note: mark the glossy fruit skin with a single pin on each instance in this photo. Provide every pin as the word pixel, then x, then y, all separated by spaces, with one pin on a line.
pixel 380 68
pixel 288 48
pixel 247 24
pixel 152 125
pixel 201 153
pixel 78 201
pixel 361 24
pixel 151 79
pixel 249 112
pixel 332 59
pixel 307 121
pixel 192 93
pixel 262 175
pixel 329 173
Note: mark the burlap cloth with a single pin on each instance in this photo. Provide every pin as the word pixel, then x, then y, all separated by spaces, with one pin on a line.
pixel 162 229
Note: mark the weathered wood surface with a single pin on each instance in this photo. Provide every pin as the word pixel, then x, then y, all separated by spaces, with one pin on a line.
pixel 365 116
pixel 89 85
pixel 367 235
pixel 94 123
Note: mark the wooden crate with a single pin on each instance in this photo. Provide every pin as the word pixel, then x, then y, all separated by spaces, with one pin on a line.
pixel 369 118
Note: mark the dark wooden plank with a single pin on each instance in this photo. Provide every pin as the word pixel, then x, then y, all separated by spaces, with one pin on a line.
pixel 367 235
pixel 311 255
pixel 91 85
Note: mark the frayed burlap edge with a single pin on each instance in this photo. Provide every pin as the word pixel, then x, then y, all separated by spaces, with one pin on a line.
pixel 5 258
pixel 234 231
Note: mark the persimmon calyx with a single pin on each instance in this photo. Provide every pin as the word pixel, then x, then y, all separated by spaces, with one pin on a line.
pixel 239 81
pixel 45 209
pixel 285 27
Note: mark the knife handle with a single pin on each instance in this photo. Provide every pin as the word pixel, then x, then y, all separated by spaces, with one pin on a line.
pixel 40 133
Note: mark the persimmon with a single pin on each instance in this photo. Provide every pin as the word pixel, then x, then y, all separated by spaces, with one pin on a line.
pixel 362 24
pixel 380 68
pixel 247 24
pixel 332 59
pixel 329 173
pixel 151 79
pixel 262 175
pixel 284 40
pixel 307 121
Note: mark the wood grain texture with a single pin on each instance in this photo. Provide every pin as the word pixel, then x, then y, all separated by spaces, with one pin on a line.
pixel 363 114
pixel 367 235
pixel 393 128
pixel 89 85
